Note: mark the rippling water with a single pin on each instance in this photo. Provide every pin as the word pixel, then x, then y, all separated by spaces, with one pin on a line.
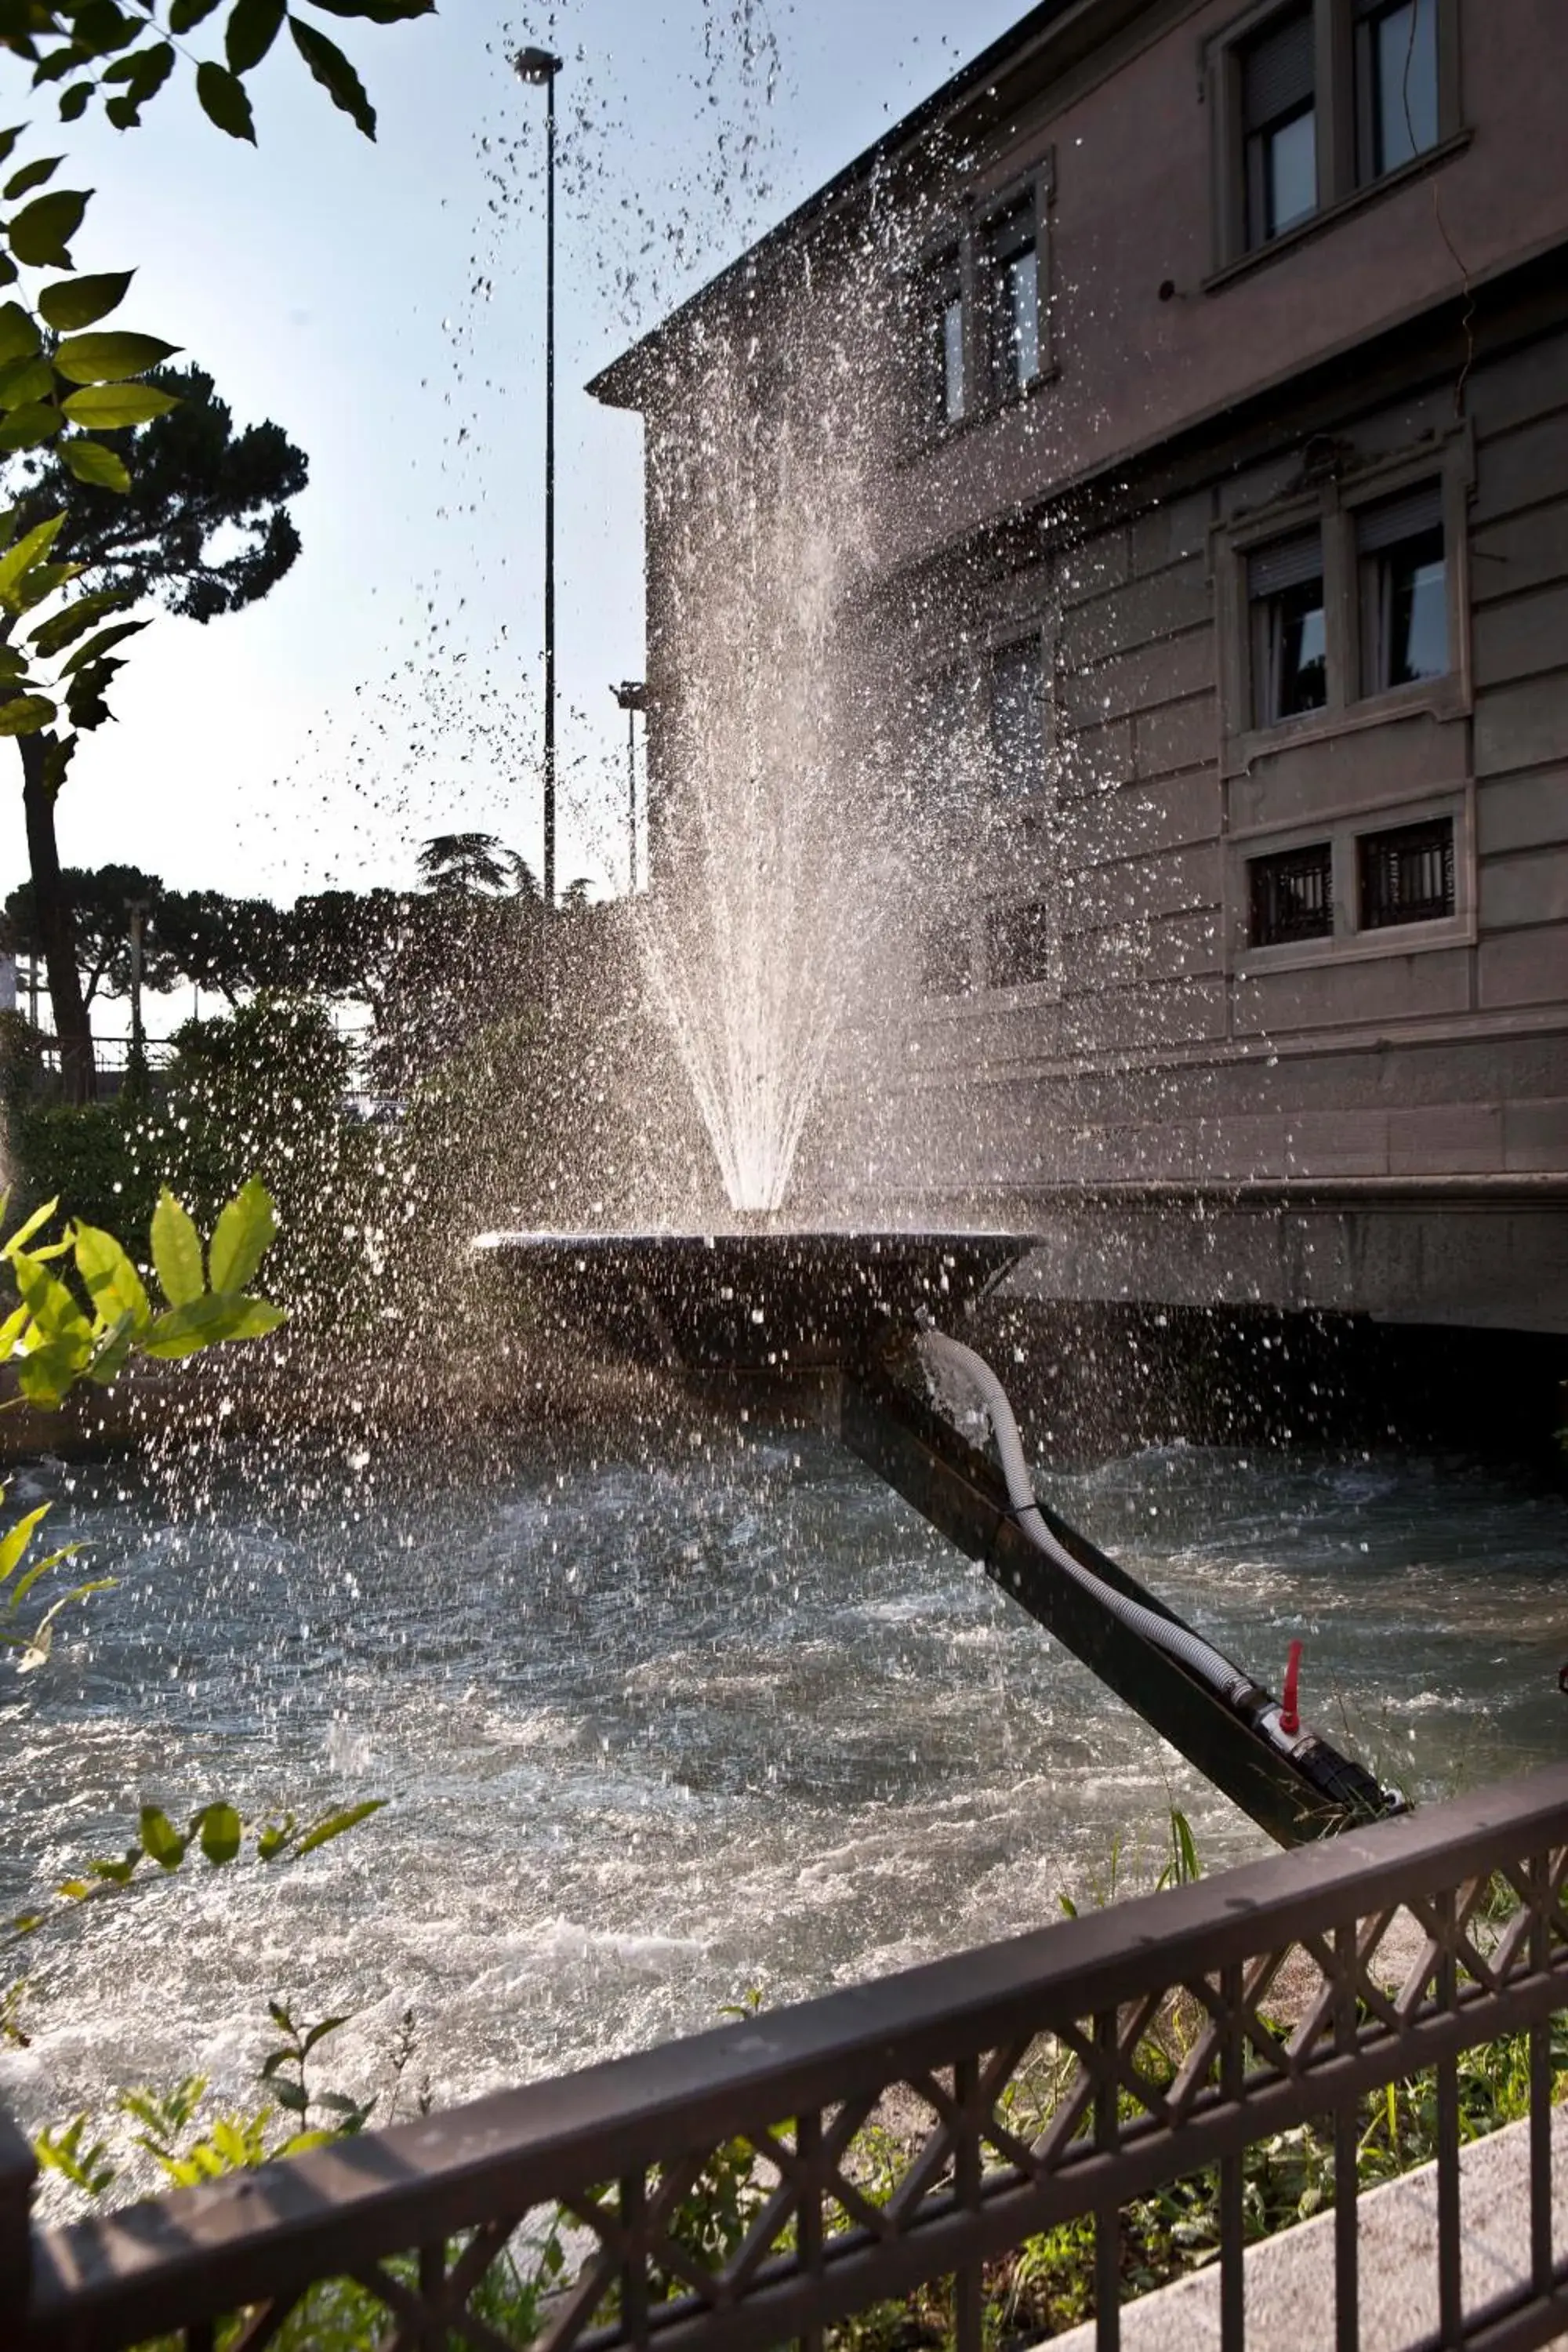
pixel 659 1730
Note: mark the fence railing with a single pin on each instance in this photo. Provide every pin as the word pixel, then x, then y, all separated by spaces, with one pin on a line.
pixel 1062 2074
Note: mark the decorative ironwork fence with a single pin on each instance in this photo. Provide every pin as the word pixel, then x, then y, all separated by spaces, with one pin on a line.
pixel 1010 2089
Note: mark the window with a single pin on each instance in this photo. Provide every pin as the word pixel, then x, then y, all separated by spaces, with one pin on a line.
pixel 1015 299
pixel 944 956
pixel 1017 721
pixel 1404 584
pixel 1279 126
pixel 1288 629
pixel 944 400
pixel 1406 875
pixel 1316 101
pixel 1290 896
pixel 982 315
pixel 1017 945
pixel 1397 79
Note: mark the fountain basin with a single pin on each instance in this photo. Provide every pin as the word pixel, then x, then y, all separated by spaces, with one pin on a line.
pixel 766 1301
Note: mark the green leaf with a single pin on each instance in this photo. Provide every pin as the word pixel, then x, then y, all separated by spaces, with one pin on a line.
pixel 250 32
pixel 17 1539
pixel 19 336
pixel 31 175
pixel 106 407
pixel 91 461
pixel 185 14
pixel 220 1833
pixel 222 100
pixel 41 231
pixel 335 1824
pixel 206 1322
pixel 161 1840
pixel 144 72
pixel 96 648
pixel 36 1653
pixel 275 1839
pixel 35 1223
pixel 177 1251
pixel 319 2033
pixel 379 12
pixel 75 101
pixel 49 1372
pixel 98 27
pixel 112 1283
pixel 43 580
pixel 25 381
pixel 26 714
pixel 244 1233
pixel 8 141
pixel 31 549
pixel 111 357
pixel 336 76
pixel 26 428
pixel 72 303
pixel 51 636
pixel 41 1568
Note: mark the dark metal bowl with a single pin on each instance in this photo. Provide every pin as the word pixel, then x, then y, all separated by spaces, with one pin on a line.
pixel 758 1302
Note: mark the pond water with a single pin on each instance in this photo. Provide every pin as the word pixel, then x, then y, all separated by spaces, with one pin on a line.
pixel 659 1730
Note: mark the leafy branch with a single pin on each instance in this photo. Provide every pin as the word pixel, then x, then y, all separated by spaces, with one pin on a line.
pixel 125 55
pixel 214 1833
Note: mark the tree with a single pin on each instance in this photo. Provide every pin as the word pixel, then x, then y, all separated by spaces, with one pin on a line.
pixel 98 901
pixel 203 529
pixel 471 865
pixel 231 945
pixel 63 388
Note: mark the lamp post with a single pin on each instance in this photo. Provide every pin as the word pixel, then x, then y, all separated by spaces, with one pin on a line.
pixel 539 67
pixel 632 696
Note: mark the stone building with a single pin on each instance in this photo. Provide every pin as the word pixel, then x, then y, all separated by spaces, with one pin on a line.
pixel 1221 543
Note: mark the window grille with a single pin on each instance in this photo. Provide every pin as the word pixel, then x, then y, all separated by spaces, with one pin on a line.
pixel 1291 895
pixel 1407 875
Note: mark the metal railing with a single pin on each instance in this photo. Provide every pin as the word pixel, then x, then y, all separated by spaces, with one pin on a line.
pixel 417 2216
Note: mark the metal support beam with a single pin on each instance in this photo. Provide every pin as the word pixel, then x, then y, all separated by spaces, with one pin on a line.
pixel 897 1434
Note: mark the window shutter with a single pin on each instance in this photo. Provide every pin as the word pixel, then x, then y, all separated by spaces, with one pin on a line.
pixel 1396 520
pixel 1279 71
pixel 1271 570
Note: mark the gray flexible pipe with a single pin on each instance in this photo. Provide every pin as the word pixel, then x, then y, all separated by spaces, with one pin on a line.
pixel 939 1351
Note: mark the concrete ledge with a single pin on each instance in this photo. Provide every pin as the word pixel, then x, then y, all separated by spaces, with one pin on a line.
pixel 1290 2278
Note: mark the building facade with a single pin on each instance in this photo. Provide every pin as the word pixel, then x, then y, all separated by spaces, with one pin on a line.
pixel 1219 548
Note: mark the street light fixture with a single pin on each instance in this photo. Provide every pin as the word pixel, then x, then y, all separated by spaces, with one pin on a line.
pixel 632 696
pixel 539 67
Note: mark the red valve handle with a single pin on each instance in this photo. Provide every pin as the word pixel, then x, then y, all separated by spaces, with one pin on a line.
pixel 1290 1721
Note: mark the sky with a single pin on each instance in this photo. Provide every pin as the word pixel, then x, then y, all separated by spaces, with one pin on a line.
pixel 384 304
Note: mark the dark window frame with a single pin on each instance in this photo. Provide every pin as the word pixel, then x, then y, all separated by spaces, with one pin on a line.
pixel 1290 895
pixel 1443 471
pixel 1392 863
pixel 1348 169
pixel 946 953
pixel 1020 924
pixel 1005 791
pixel 967 239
